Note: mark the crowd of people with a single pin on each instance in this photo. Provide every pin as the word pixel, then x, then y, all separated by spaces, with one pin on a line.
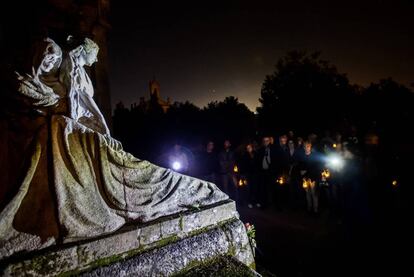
pixel 286 172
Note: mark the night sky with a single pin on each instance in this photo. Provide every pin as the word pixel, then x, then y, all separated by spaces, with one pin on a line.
pixel 204 52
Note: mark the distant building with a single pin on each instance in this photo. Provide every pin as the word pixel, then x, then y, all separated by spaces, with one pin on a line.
pixel 155 102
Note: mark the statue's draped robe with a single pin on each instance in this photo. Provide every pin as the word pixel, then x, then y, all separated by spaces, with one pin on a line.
pixel 80 184
pixel 80 92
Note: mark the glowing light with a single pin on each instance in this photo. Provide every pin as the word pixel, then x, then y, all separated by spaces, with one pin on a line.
pixel 242 182
pixel 334 145
pixel 235 169
pixel 394 183
pixel 176 165
pixel 280 180
pixel 335 162
pixel 308 183
pixel 326 174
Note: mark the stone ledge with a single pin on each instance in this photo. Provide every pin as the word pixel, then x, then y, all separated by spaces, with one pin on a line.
pixel 134 240
pixel 184 254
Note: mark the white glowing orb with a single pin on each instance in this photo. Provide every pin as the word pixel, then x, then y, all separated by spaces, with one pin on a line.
pixel 335 162
pixel 176 165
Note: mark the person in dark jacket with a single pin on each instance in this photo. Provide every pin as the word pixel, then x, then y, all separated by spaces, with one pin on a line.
pixel 267 174
pixel 249 172
pixel 227 163
pixel 281 191
pixel 208 163
pixel 294 181
pixel 310 170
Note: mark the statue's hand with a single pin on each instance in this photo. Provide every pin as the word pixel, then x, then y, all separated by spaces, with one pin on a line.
pixel 34 89
pixel 87 114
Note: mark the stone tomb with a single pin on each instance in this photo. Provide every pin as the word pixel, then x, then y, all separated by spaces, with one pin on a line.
pixel 164 247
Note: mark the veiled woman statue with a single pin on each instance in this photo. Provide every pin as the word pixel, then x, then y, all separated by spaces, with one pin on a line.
pixel 82 107
pixel 78 182
pixel 43 86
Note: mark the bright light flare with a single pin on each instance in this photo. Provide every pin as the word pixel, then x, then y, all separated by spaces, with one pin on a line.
pixel 235 169
pixel 176 165
pixel 335 162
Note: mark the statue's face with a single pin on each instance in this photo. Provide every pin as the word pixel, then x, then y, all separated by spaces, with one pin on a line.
pixel 91 57
pixel 51 59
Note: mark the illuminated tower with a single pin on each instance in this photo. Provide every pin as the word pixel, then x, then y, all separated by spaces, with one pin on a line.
pixel 154 87
pixel 155 97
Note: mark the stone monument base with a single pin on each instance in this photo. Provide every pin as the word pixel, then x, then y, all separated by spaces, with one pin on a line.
pixel 171 245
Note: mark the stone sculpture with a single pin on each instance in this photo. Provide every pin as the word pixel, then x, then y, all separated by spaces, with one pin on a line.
pixel 78 182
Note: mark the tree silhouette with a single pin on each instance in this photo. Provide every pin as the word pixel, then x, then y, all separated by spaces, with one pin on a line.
pixel 389 106
pixel 304 93
pixel 229 119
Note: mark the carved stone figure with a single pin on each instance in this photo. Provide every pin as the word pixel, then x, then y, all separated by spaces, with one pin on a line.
pixel 40 87
pixel 78 183
pixel 82 107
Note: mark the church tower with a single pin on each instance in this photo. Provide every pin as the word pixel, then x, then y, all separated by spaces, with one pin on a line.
pixel 155 97
pixel 154 87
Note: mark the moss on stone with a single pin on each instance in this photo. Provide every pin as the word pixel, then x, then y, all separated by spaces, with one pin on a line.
pixel 52 263
pixel 45 264
pixel 120 257
pixel 181 222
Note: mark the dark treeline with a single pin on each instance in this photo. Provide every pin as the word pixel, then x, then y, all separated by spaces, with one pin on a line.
pixel 149 132
pixel 305 93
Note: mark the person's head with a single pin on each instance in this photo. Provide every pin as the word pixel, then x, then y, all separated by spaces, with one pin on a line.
pixel 348 150
pixel 338 137
pixel 210 146
pixel 353 131
pixel 227 144
pixel 266 141
pixel 371 139
pixel 249 148
pixel 312 138
pixel 48 58
pixel 291 134
pixel 283 140
pixel 291 144
pixel 88 52
pixel 307 145
pixel 299 141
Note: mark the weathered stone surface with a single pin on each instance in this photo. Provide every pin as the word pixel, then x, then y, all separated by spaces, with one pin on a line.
pixel 162 247
pixel 219 266
pixel 236 233
pixel 99 188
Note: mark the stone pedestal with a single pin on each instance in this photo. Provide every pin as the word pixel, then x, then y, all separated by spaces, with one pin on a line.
pixel 163 247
